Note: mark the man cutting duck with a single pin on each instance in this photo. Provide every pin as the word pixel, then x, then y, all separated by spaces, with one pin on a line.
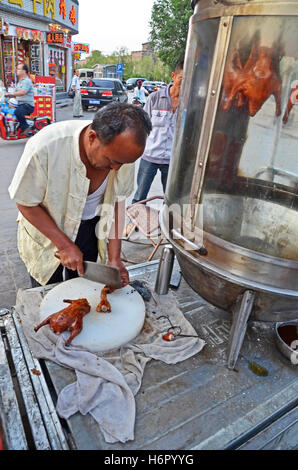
pixel 70 188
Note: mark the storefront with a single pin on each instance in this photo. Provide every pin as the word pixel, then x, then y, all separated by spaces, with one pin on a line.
pixel 38 33
pixel 59 54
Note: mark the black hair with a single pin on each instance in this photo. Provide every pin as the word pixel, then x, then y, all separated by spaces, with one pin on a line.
pixel 179 66
pixel 115 118
pixel 26 68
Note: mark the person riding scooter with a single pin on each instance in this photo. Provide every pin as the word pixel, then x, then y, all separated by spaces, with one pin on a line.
pixel 24 93
pixel 140 92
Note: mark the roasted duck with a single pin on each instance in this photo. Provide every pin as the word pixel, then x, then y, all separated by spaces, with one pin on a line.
pixel 293 96
pixel 104 305
pixel 68 319
pixel 253 83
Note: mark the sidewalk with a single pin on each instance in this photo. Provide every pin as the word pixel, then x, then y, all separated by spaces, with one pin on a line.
pixel 13 274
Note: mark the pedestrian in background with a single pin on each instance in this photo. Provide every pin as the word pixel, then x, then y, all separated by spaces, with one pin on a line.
pixel 61 200
pixel 77 101
pixel 161 107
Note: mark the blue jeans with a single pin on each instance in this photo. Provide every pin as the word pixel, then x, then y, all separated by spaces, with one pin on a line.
pixel 146 174
pixel 21 111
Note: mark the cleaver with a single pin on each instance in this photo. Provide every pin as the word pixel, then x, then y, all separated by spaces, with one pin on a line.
pixel 108 275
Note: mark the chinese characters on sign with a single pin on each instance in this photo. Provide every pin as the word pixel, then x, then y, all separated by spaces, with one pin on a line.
pixel 54 9
pixel 35 59
pixel 36 35
pixel 49 7
pixel 34 5
pixel 16 2
pixel 62 7
pixel 56 38
pixel 22 33
pixel 78 47
pixel 72 15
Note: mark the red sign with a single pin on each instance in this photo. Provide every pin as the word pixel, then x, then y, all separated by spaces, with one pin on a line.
pixel 68 41
pixel 36 35
pixel 72 15
pixel 22 33
pixel 55 38
pixel 62 8
pixel 77 47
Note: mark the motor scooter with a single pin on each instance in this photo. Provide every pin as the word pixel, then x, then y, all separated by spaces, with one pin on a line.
pixel 10 126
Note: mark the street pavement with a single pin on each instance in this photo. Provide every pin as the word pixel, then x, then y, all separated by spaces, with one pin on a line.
pixel 13 274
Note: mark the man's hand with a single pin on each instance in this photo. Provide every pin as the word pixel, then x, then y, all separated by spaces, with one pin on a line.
pixel 71 257
pixel 123 271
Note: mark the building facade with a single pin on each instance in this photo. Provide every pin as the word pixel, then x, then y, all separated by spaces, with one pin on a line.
pixel 38 33
pixel 145 52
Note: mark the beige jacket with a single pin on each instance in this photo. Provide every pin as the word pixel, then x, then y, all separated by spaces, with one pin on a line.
pixel 51 173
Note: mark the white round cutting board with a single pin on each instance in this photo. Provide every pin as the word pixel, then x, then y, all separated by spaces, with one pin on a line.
pixel 101 331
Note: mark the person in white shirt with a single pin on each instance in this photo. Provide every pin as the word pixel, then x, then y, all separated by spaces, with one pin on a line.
pixel 70 187
pixel 140 92
pixel 77 101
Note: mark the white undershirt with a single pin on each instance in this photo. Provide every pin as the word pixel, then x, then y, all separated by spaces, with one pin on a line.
pixel 92 205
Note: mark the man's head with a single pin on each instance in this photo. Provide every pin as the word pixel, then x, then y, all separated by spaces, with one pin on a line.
pixel 76 72
pixel 22 71
pixel 139 83
pixel 177 74
pixel 116 136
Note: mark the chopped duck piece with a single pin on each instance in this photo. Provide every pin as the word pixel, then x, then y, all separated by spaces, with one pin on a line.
pixel 104 305
pixel 68 319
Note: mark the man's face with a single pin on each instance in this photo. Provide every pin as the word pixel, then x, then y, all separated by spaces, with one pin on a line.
pixel 122 149
pixel 20 71
pixel 77 73
pixel 177 78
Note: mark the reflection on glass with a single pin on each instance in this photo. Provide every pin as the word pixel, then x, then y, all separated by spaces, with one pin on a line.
pixel 251 184
pixel 191 108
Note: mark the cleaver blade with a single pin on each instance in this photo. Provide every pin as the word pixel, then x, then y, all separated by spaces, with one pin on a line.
pixel 108 275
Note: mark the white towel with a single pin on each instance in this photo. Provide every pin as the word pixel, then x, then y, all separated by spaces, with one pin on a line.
pixel 108 382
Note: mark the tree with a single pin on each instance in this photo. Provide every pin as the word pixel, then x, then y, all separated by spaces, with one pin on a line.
pixel 169 29
pixel 96 57
pixel 151 69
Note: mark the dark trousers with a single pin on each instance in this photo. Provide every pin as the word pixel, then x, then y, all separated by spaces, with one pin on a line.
pixel 21 111
pixel 146 174
pixel 87 242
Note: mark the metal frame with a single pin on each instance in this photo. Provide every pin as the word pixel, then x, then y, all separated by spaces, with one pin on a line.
pixel 222 43
pixel 226 9
pixel 205 9
pixel 29 391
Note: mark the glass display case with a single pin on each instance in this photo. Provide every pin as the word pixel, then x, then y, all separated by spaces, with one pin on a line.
pixel 231 209
pixel 251 179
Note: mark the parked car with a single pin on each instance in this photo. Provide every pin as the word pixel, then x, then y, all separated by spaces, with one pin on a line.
pixel 131 83
pixel 101 91
pixel 150 86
